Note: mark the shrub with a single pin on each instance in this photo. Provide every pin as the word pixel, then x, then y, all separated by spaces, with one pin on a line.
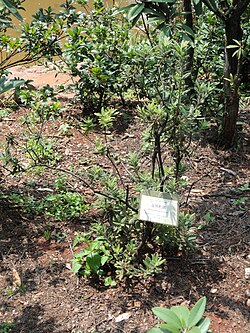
pixel 95 51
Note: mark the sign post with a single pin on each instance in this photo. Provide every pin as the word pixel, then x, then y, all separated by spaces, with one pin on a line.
pixel 159 207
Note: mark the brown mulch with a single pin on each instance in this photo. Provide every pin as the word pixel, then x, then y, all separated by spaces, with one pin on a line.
pixel 52 299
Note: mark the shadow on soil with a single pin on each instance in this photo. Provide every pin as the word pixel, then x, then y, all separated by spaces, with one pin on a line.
pixel 31 321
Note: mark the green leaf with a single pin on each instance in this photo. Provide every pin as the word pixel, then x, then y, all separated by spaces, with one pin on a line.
pixel 104 259
pixel 158 20
pixel 194 330
pixel 232 46
pixel 157 330
pixel 76 266
pixel 6 85
pixel 204 325
pixel 168 316
pixel 237 42
pixel 183 314
pixel 187 29
pixel 123 9
pixel 4 19
pixel 197 312
pixel 135 11
pixel 11 7
pixel 93 260
pixel 109 282
pixel 170 327
pixel 198 8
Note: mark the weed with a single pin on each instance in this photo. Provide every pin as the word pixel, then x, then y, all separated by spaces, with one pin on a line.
pixel 244 187
pixel 240 202
pixel 9 292
pixel 209 217
pixel 6 327
pixel 47 234
pixel 59 206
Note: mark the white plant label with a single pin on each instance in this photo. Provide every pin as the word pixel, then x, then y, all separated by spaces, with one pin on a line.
pixel 159 207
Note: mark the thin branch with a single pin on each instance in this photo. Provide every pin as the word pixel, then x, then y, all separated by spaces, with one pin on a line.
pixel 195 182
pixel 86 184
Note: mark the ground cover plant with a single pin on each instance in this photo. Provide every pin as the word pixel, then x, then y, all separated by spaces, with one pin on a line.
pixel 138 125
pixel 180 319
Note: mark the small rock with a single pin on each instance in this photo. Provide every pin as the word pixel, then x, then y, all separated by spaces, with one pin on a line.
pixel 247 273
pixel 67 152
pixel 248 293
pixel 213 290
pixel 248 302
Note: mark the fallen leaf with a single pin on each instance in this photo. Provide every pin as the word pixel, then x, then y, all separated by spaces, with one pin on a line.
pixel 123 316
pixel 17 282
pixel 68 265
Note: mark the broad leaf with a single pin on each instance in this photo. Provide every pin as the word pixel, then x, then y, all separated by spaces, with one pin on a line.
pixel 183 314
pixel 76 266
pixel 197 312
pixel 168 316
pixel 169 328
pixel 135 11
pixel 158 20
pixel 157 330
pixel 104 259
pixel 6 85
pixel 93 260
pixel 232 46
pixel 204 325
pixel 4 19
pixel 187 29
pixel 194 330
pixel 123 9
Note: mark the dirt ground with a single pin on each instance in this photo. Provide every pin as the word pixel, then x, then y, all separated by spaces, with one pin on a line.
pixel 40 294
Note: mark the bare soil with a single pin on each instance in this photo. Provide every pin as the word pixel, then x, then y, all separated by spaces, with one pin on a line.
pixel 40 294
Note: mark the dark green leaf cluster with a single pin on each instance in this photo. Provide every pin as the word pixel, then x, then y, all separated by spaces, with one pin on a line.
pixel 58 206
pixel 95 51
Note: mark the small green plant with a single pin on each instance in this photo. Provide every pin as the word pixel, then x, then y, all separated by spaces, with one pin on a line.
pixel 112 260
pixel 209 217
pixel 62 206
pixel 9 292
pixel 47 235
pixel 179 319
pixel 4 113
pixel 59 206
pixel 240 202
pixel 245 187
pixel 60 236
pixel 6 327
